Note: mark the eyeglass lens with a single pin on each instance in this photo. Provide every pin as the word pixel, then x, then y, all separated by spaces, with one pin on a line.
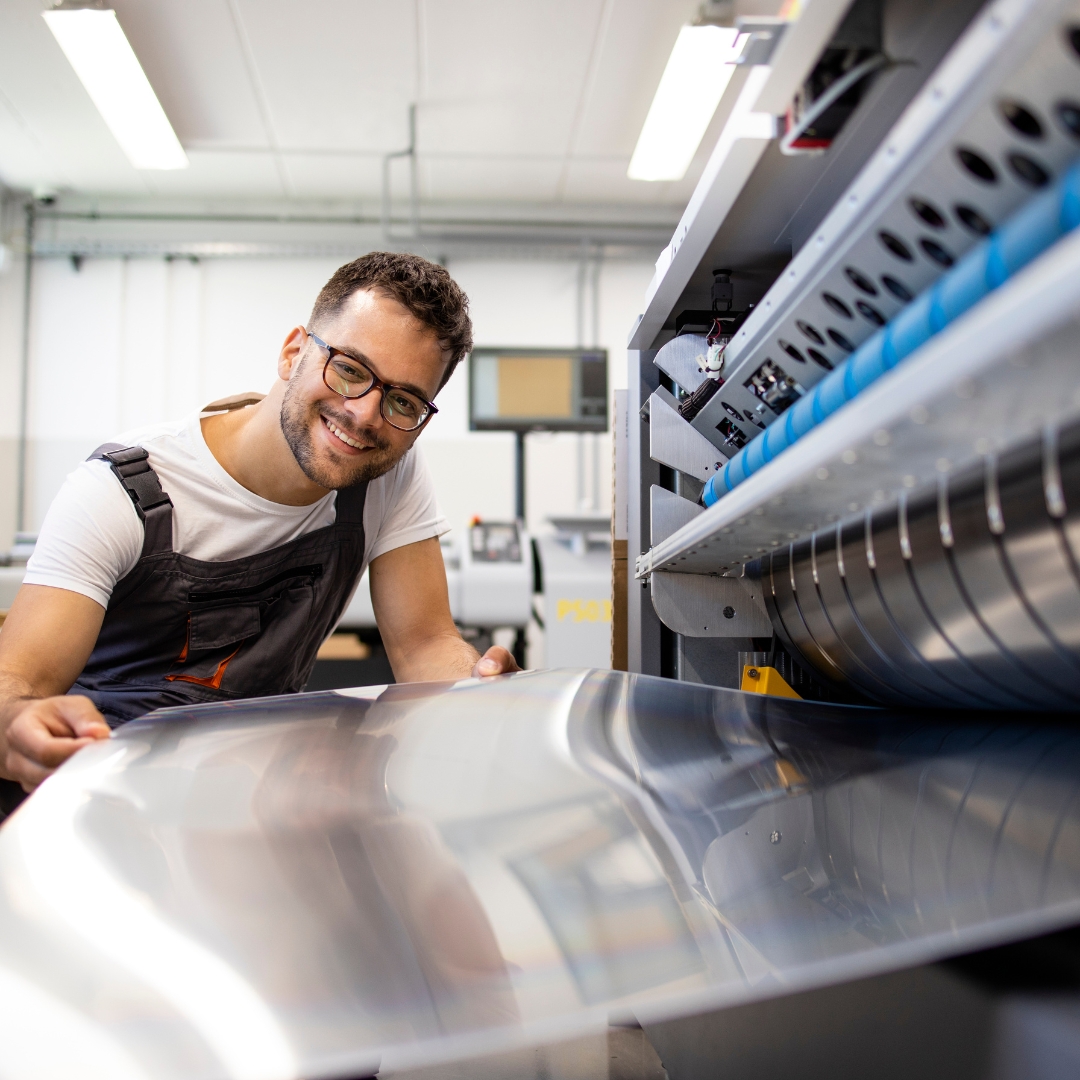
pixel 400 409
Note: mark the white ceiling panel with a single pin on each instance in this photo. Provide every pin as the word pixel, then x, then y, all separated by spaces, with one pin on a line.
pixel 341 76
pixel 505 179
pixel 590 180
pixel 638 39
pixel 192 54
pixel 338 176
pixel 516 101
pixel 23 158
pixel 241 173
pixel 41 89
pixel 504 76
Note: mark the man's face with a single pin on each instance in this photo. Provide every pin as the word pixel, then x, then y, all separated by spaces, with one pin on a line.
pixel 339 442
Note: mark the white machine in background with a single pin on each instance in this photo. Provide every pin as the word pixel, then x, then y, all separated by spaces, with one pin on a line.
pixel 491 582
pixel 489 577
pixel 496 577
pixel 576 577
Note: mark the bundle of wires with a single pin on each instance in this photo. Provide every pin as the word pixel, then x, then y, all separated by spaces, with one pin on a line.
pixel 1027 234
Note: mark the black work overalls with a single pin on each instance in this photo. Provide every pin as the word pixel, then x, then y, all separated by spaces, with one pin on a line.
pixel 179 631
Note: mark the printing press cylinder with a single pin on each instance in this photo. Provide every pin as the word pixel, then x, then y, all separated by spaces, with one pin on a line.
pixel 967 595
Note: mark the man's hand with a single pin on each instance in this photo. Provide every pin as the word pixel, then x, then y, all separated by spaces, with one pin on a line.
pixel 46 639
pixel 496 661
pixel 45 732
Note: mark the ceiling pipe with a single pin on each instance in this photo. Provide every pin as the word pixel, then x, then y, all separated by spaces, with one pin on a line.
pixel 414 186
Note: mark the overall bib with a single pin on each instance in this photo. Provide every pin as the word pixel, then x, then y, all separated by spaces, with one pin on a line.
pixel 179 631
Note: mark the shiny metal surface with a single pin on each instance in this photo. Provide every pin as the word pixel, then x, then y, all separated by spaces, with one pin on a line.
pixel 668 512
pixel 1010 51
pixel 328 884
pixel 673 442
pixel 987 382
pixel 710 607
pixel 682 360
pixel 965 593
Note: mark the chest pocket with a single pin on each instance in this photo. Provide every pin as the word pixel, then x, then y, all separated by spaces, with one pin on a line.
pixel 244 641
pixel 217 627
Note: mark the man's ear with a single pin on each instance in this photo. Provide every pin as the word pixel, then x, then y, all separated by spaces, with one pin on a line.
pixel 290 352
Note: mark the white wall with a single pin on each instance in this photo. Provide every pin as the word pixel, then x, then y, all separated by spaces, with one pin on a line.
pixel 124 342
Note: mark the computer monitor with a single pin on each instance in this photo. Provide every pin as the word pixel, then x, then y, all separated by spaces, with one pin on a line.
pixel 538 390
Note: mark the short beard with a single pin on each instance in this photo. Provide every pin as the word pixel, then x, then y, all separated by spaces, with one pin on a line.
pixel 296 422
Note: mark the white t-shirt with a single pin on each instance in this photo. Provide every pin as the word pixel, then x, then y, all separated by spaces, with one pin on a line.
pixel 92 536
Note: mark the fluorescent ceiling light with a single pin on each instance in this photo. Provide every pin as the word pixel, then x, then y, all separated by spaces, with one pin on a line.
pixel 99 52
pixel 693 82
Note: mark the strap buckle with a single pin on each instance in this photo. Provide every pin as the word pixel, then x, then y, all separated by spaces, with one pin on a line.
pixel 140 481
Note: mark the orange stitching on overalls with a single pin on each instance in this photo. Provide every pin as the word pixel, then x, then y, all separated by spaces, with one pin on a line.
pixel 214 682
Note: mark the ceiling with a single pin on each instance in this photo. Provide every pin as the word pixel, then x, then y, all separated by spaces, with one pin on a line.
pixel 534 103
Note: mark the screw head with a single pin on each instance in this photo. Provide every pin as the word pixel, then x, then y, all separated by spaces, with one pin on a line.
pixel 729 613
pixel 753 673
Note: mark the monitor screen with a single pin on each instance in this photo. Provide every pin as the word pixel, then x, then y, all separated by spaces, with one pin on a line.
pixel 537 389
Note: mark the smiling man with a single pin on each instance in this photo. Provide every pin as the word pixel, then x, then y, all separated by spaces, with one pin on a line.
pixel 206 560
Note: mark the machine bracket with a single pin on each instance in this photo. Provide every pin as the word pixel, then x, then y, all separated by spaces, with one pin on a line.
pixel 673 442
pixel 668 513
pixel 699 605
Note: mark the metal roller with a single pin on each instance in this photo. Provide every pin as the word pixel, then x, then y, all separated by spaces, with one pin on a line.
pixel 966 593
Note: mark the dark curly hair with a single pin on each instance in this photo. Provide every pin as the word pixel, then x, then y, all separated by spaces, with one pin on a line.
pixel 424 288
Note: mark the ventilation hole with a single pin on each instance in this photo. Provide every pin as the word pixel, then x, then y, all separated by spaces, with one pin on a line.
pixel 868 311
pixel 810 332
pixel 821 359
pixel 895 245
pixel 928 213
pixel 791 351
pixel 861 281
pixel 897 288
pixel 936 252
pixel 973 220
pixel 1031 172
pixel 840 340
pixel 1072 35
pixel 1020 119
pixel 837 305
pixel 978 166
pixel 1068 113
pixel 731 410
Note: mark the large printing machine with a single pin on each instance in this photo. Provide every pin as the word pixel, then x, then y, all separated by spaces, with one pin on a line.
pixel 864 862
pixel 877 500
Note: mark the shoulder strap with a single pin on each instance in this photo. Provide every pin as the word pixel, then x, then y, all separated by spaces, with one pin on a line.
pixel 234 401
pixel 154 507
pixel 349 504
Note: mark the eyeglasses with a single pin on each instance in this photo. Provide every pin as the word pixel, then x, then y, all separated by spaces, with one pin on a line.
pixel 400 408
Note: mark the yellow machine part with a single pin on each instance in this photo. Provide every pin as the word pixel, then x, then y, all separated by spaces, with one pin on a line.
pixel 766 680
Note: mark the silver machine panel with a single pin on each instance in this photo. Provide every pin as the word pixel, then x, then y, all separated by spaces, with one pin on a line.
pixel 914 546
pixel 916 207
pixel 331 884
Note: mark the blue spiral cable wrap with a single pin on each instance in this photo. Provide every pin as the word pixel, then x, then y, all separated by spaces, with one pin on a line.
pixel 1027 234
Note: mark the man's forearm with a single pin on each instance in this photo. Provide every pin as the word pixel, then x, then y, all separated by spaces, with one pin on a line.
pixel 14 693
pixel 446 656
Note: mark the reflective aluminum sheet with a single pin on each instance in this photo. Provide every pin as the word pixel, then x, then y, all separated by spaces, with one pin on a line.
pixel 328 884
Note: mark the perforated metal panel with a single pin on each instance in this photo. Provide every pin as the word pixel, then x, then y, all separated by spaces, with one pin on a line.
pixel 996 122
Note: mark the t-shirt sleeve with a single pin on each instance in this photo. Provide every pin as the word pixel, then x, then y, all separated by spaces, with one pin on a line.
pixel 405 510
pixel 90 538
